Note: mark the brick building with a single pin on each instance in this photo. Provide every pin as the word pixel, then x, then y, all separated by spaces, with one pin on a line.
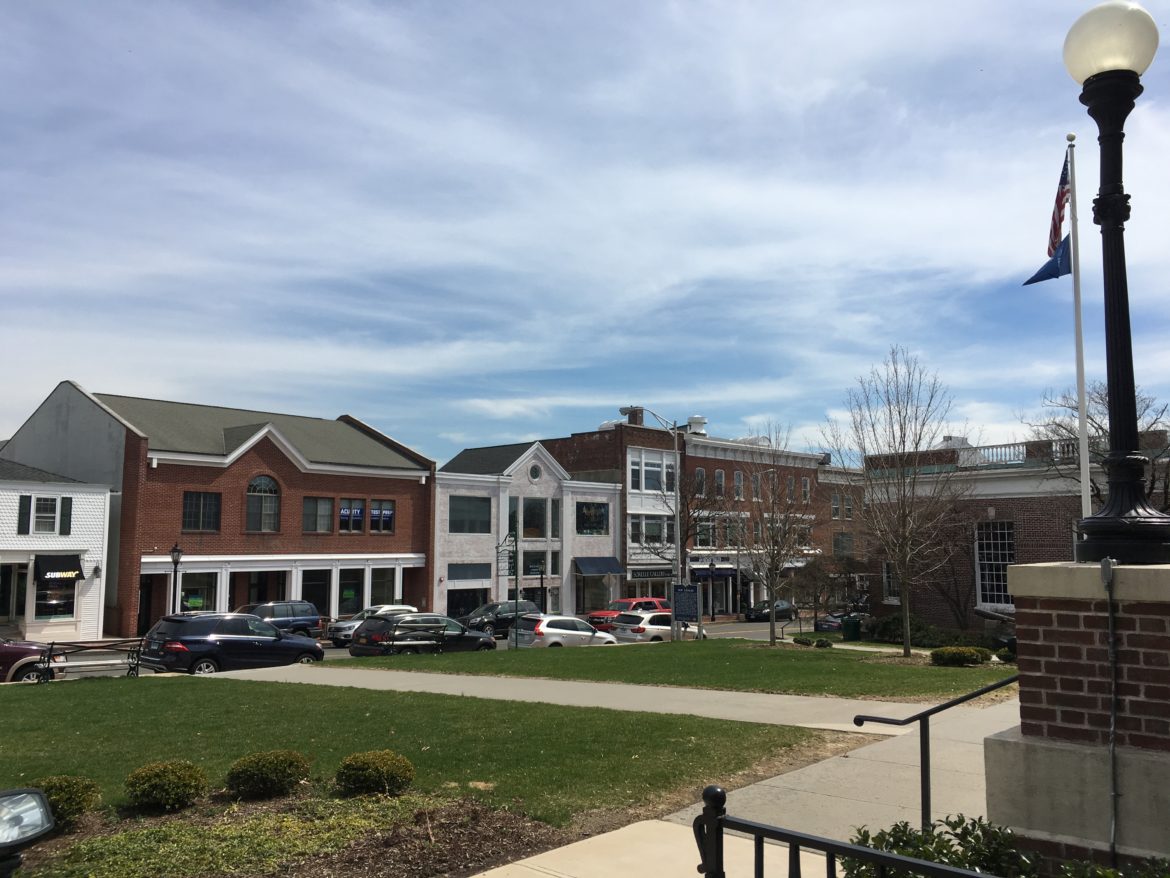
pixel 263 506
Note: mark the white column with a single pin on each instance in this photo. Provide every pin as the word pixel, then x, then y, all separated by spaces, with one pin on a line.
pixel 367 581
pixel 334 588
pixel 223 587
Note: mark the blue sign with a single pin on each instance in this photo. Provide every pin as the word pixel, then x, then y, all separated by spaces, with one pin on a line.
pixel 685 601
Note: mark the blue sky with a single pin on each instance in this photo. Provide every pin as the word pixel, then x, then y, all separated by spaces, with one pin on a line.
pixel 472 223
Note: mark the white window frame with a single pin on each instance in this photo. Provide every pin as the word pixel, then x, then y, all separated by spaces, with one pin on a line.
pixel 36 517
pixel 994 569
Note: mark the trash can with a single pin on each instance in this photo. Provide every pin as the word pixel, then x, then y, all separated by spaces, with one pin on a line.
pixel 851 627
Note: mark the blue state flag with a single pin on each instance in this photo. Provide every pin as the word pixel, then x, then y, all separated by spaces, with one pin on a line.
pixel 1059 265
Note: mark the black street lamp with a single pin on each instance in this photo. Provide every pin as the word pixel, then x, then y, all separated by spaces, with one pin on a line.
pixel 1107 50
pixel 543 591
pixel 176 557
pixel 711 590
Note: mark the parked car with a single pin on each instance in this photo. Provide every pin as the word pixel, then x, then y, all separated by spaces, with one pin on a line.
pixel 642 627
pixel 297 617
pixel 760 612
pixel 554 631
pixel 602 620
pixel 19 661
pixel 203 643
pixel 341 631
pixel 412 633
pixel 829 622
pixel 497 617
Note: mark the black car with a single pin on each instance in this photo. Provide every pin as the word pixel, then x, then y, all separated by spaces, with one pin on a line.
pixel 299 617
pixel 412 633
pixel 203 643
pixel 498 616
pixel 785 612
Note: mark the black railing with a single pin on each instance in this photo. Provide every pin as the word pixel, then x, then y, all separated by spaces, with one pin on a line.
pixel 713 823
pixel 923 719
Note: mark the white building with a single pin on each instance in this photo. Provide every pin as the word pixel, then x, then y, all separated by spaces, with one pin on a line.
pixel 566 529
pixel 53 537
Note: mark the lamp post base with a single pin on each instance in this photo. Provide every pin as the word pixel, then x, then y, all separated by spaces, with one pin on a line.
pixel 1126 529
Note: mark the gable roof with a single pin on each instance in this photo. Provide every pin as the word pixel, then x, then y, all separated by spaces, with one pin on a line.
pixel 11 471
pixel 188 428
pixel 491 461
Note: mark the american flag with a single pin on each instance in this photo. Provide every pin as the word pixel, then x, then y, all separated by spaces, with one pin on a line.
pixel 1063 191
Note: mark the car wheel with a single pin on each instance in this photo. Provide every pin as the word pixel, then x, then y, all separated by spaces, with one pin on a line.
pixel 656 640
pixel 483 647
pixel 306 658
pixel 28 675
pixel 301 632
pixel 489 630
pixel 408 650
pixel 204 666
pixel 552 645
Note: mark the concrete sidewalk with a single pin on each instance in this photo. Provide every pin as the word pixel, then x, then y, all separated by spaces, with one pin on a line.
pixel 875 785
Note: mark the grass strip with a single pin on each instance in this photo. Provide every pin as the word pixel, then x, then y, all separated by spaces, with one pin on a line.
pixel 732 664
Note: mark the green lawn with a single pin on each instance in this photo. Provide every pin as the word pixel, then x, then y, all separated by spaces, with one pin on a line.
pixel 547 761
pixel 716 664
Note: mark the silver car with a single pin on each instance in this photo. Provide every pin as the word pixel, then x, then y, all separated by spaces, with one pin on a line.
pixel 549 630
pixel 645 627
pixel 341 631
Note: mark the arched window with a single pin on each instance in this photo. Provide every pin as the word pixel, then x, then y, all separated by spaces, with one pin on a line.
pixel 263 505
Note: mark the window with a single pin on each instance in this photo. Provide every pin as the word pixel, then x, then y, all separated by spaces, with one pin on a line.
pixel 736 532
pixel 635 529
pixel 535 518
pixel 534 563
pixel 654 529
pixel 757 531
pixel 555 516
pixel 352 516
pixel 995 549
pixel 790 488
pixel 700 482
pixel 263 502
pixel 652 475
pixel 458 572
pixel 382 516
pixel 738 480
pixel 835 506
pixel 848 506
pixel 635 475
pixel 316 515
pixel 670 478
pixel 705 534
pixel 44 515
pixel 756 486
pixel 201 511
pixel 554 563
pixel 843 545
pixel 891 588
pixel 382 585
pixel 593 519
pixel 805 489
pixel 350 599
pixel 718 483
pixel 469 515
pixel 513 514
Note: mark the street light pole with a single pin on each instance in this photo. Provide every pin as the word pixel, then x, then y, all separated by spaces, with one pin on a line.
pixel 1107 50
pixel 543 593
pixel 176 557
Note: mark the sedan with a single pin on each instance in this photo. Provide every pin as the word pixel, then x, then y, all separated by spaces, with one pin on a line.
pixel 785 612
pixel 204 643
pixel 21 661
pixel 556 631
pixel 831 622
pixel 341 631
pixel 647 628
pixel 412 633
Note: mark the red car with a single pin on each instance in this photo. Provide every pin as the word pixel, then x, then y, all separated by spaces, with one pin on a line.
pixel 602 620
pixel 19 661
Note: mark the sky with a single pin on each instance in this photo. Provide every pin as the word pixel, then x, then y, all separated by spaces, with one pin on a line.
pixel 473 223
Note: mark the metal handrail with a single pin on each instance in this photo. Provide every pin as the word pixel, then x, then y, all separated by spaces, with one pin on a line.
pixel 710 825
pixel 923 719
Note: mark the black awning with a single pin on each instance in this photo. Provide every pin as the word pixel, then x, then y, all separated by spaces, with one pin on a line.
pixel 58 568
pixel 598 566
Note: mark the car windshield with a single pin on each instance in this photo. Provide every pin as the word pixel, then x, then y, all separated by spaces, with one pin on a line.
pixel 619 605
pixel 486 608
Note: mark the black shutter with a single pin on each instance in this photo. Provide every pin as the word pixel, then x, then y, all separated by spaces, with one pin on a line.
pixel 66 515
pixel 24 516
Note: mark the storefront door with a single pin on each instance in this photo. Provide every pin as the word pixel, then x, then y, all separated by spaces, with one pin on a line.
pixel 7 593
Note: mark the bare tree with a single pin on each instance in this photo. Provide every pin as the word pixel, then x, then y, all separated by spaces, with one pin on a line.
pixel 897 430
pixel 1056 427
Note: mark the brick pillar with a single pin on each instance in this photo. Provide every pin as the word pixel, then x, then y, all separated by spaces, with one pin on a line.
pixel 1050 779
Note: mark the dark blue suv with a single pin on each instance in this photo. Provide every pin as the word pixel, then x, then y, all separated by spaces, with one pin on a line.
pixel 203 643
pixel 299 617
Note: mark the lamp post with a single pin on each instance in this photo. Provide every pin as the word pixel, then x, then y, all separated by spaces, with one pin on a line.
pixel 176 557
pixel 543 593
pixel 711 589
pixel 672 426
pixel 1107 50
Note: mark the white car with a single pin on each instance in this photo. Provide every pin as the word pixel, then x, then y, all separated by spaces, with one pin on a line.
pixel 341 631
pixel 643 627
pixel 550 631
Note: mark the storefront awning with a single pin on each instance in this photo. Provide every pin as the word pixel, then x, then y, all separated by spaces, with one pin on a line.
pixel 58 568
pixel 598 566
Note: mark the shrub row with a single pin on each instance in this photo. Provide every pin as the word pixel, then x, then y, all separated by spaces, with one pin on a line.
pixel 888 629
pixel 958 656
pixel 177 784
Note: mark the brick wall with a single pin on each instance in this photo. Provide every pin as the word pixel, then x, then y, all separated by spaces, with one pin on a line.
pixel 1065 672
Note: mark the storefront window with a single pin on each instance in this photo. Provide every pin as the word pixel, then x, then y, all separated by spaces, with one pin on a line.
pixel 198 591
pixel 315 589
pixel 56 600
pixel 535 518
pixel 593 519
pixel 349 601
pixel 382 586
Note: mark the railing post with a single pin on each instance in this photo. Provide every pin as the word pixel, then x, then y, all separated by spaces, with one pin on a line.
pixel 708 828
pixel 924 769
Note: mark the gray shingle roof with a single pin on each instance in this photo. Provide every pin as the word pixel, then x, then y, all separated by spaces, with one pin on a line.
pixel 490 461
pixel 11 471
pixel 204 429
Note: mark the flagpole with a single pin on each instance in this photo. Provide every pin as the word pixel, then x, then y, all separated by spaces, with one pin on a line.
pixel 1082 418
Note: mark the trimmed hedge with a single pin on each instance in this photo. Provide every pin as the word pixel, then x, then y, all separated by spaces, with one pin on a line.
pixel 69 796
pixel 166 786
pixel 959 656
pixel 267 774
pixel 822 643
pixel 374 772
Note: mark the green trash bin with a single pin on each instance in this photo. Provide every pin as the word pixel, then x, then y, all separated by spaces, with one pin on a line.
pixel 851 628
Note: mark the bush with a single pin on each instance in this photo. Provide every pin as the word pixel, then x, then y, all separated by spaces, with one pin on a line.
pixel 1006 656
pixel 375 771
pixel 822 643
pixel 1155 868
pixel 956 841
pixel 956 656
pixel 166 786
pixel 69 796
pixel 802 641
pixel 268 774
